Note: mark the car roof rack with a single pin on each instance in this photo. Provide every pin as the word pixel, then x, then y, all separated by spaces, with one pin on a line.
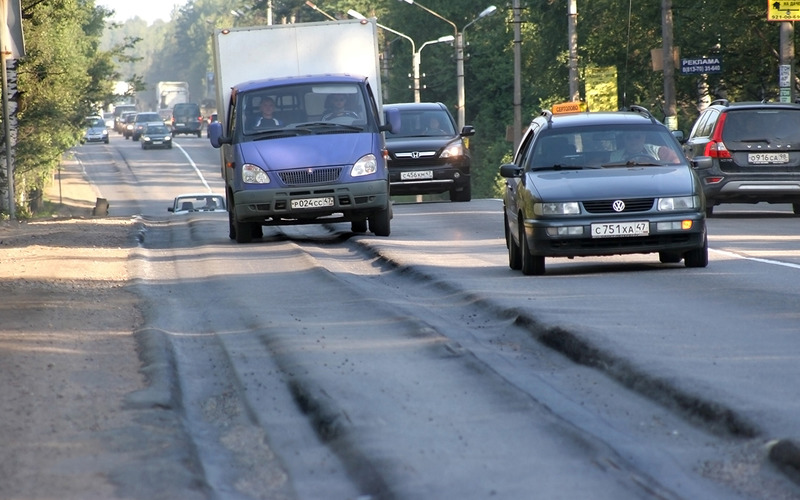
pixel 720 102
pixel 548 115
pixel 643 111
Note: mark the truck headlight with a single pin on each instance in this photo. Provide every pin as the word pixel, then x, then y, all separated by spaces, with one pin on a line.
pixel 252 174
pixel 366 165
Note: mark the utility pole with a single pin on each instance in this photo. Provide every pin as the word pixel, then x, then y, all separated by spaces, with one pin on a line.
pixel 517 99
pixel 668 63
pixel 572 35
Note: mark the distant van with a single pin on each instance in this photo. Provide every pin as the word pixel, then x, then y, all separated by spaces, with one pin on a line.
pixel 187 119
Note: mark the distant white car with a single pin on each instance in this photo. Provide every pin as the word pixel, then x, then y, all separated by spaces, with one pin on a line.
pixel 197 202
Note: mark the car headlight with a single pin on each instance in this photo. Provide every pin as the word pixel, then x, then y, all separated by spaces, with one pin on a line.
pixel 167 138
pixel 105 132
pixel 366 165
pixel 563 208
pixel 453 150
pixel 146 138
pixel 676 203
pixel 252 174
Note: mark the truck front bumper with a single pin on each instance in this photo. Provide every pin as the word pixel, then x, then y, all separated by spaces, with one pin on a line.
pixel 352 201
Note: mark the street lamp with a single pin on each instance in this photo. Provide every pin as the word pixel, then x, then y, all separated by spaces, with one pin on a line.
pixel 314 6
pixel 418 60
pixel 459 38
pixel 357 15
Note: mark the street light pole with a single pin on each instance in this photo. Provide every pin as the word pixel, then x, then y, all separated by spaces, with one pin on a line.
pixel 459 43
pixel 414 58
pixel 418 60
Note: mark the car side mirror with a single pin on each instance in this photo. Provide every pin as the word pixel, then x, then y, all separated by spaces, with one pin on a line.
pixel 467 131
pixel 510 171
pixel 678 134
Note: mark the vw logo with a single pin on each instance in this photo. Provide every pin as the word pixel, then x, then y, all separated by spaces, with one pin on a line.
pixel 618 205
pixel 415 155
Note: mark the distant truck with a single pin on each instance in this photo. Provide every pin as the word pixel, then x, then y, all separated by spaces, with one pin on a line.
pixel 169 94
pixel 301 125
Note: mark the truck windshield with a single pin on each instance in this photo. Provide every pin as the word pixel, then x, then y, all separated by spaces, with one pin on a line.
pixel 306 109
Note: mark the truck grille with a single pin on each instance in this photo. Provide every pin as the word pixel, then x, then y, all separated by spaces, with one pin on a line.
pixel 306 176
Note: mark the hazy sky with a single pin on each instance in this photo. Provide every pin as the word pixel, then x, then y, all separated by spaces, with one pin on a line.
pixel 149 10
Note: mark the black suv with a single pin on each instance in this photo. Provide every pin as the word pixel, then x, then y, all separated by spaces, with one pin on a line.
pixel 187 119
pixel 427 155
pixel 755 148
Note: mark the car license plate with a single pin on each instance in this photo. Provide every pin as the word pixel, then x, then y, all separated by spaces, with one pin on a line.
pixel 416 175
pixel 620 229
pixel 179 124
pixel 312 202
pixel 158 142
pixel 767 158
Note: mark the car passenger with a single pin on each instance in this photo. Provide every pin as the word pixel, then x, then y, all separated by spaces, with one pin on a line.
pixel 336 106
pixel 634 146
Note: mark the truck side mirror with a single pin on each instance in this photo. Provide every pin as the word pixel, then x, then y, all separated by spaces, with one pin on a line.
pixel 392 120
pixel 215 135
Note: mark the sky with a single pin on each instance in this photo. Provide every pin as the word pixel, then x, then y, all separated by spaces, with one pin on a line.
pixel 149 10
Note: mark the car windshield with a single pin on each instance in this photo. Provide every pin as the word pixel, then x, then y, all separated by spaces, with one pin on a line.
pixel 595 147
pixel 422 123
pixel 303 109
pixel 95 122
pixel 157 129
pixel 762 125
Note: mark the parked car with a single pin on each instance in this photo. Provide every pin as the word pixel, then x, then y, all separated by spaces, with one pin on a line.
pixel 187 119
pixel 142 120
pixel 427 155
pixel 95 130
pixel 755 152
pixel 197 202
pixel 128 119
pixel 603 183
pixel 156 135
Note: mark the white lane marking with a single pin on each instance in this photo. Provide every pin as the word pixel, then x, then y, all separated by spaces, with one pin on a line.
pixel 756 259
pixel 194 166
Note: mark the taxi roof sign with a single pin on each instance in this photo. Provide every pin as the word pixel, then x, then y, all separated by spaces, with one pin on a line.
pixel 783 10
pixel 571 107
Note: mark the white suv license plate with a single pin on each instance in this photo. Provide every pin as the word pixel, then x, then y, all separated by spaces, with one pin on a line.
pixel 416 175
pixel 620 229
pixel 767 158
pixel 312 203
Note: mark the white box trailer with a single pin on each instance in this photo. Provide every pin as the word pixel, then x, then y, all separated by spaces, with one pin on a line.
pixel 283 50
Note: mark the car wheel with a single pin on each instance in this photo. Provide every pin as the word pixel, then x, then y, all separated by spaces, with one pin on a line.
pixel 532 265
pixel 465 194
pixel 669 257
pixel 143 146
pixel 697 257
pixel 358 226
pixel 380 222
pixel 106 141
pixel 199 133
pixel 709 210
pixel 796 208
pixel 514 259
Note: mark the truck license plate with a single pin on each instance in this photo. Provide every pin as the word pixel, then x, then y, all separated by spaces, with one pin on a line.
pixel 416 175
pixel 312 202
pixel 767 158
pixel 620 229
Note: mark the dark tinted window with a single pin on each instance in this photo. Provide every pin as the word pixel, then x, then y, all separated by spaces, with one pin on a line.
pixel 762 125
pixel 192 110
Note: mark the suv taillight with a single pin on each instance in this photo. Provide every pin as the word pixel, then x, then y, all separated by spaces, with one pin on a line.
pixel 716 148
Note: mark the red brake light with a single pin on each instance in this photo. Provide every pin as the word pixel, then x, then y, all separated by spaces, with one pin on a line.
pixel 716 148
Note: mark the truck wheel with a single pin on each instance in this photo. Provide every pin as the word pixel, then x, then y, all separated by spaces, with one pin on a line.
pixel 380 222
pixel 244 232
pixel 231 226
